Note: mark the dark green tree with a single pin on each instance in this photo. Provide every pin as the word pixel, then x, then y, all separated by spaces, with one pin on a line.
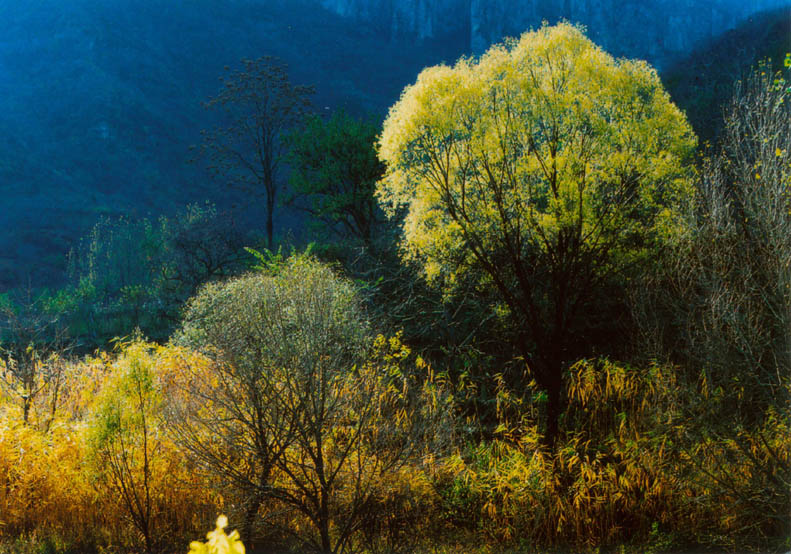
pixel 334 173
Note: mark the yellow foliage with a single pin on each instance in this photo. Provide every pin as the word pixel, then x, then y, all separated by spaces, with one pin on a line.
pixel 540 135
pixel 42 487
pixel 623 472
pixel 48 488
pixel 620 473
pixel 218 542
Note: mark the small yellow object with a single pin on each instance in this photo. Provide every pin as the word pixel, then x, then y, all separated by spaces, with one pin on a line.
pixel 778 152
pixel 218 542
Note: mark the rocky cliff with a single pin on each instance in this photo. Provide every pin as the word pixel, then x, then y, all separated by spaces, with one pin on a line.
pixel 657 30
pixel 424 19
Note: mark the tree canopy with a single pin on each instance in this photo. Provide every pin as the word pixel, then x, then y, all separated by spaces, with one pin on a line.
pixel 335 168
pixel 302 401
pixel 546 167
pixel 261 104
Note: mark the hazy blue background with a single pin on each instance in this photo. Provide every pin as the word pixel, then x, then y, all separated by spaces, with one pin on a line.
pixel 101 99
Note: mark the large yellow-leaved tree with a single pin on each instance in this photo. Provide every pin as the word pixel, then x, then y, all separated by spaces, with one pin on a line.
pixel 546 169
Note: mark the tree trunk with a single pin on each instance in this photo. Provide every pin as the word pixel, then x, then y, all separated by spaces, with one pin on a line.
pixel 249 521
pixel 554 409
pixel 269 225
pixel 548 373
pixel 324 523
pixel 147 540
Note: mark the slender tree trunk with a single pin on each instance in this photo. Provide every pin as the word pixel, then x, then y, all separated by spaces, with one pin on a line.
pixel 148 542
pixel 548 373
pixel 269 227
pixel 249 521
pixel 29 382
pixel 554 409
pixel 324 495
pixel 270 189
pixel 324 524
pixel 25 410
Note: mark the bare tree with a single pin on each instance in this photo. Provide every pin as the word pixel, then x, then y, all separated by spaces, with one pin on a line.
pixel 32 349
pixel 298 410
pixel 721 305
pixel 261 104
pixel 201 245
pixel 729 311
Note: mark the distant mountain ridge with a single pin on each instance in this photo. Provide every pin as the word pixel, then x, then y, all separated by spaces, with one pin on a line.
pixel 100 100
pixel 657 30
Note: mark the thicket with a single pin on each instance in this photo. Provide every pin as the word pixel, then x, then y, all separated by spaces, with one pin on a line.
pixel 352 405
pixel 129 274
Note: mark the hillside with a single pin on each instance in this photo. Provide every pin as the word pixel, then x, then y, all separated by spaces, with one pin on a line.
pixel 100 101
pixel 701 82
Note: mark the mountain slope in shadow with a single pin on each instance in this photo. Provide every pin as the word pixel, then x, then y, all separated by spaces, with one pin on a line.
pixel 100 101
